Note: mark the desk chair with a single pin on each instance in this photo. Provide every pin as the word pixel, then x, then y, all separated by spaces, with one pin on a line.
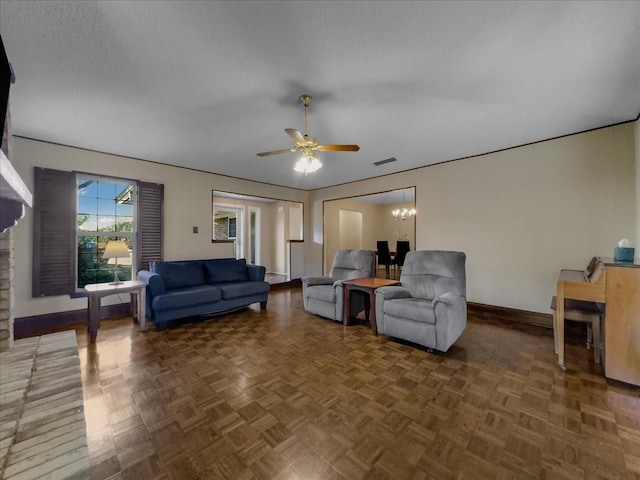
pixel 586 312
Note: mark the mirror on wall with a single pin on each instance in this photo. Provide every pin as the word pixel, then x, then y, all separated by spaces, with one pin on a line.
pixel 260 229
pixel 361 221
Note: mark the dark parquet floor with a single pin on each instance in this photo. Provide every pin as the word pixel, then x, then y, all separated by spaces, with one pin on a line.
pixel 281 394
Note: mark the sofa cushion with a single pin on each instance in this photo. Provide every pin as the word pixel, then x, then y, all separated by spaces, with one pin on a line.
pixel 222 270
pixel 187 297
pixel 415 309
pixel 233 290
pixel 179 274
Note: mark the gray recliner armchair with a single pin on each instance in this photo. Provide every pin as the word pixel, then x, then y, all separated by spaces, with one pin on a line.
pixel 324 295
pixel 430 306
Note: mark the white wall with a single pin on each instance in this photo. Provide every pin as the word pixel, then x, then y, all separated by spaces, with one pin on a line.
pixel 637 147
pixel 522 214
pixel 280 246
pixel 187 203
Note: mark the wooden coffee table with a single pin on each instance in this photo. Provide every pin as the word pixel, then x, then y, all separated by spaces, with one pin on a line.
pixel 369 286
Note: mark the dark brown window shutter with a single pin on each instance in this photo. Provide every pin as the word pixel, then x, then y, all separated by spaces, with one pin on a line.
pixel 150 224
pixel 54 232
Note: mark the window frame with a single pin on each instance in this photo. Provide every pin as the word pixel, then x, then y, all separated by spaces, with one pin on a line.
pixel 54 268
pixel 131 236
pixel 234 221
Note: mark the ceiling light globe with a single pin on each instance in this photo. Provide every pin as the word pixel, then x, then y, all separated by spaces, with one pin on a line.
pixel 307 165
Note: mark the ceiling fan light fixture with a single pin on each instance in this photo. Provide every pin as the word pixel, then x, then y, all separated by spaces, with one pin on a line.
pixel 307 164
pixel 308 144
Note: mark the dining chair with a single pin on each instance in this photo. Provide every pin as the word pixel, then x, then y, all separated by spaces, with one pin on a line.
pixel 402 248
pixel 384 256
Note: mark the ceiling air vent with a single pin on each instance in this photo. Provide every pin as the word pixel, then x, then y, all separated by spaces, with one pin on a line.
pixel 386 160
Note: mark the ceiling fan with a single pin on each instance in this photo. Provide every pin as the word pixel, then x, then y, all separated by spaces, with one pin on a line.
pixel 308 144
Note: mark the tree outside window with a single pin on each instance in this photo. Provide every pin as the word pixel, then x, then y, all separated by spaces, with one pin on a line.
pixel 105 211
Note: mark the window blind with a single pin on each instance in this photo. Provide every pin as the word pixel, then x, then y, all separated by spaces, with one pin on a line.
pixel 54 233
pixel 150 223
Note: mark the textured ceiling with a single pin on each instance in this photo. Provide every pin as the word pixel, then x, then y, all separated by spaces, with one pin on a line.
pixel 207 85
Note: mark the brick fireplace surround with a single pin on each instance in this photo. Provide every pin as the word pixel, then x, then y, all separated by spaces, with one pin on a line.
pixel 6 291
pixel 42 424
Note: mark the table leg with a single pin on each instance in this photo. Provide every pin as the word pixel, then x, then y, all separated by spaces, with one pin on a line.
pixel 372 312
pixel 142 308
pixel 345 306
pixel 133 298
pixel 559 324
pixel 94 317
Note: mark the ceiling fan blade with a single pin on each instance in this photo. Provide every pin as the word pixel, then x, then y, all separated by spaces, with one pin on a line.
pixel 295 135
pixel 338 148
pixel 276 152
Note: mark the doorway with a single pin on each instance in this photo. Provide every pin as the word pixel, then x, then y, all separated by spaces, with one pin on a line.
pixel 228 221
pixel 378 221
pixel 254 235
pixel 270 225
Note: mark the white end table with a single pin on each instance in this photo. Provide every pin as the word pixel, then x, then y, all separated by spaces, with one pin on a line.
pixel 96 291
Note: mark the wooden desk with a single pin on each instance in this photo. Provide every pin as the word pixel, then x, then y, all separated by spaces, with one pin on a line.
pixel 136 288
pixel 617 285
pixel 369 286
pixel 622 323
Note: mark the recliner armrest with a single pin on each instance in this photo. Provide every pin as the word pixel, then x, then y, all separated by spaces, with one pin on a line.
pixel 308 281
pixel 449 299
pixel 155 284
pixel 392 292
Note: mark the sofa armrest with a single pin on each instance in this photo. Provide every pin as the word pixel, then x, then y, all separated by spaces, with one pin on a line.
pixel 155 284
pixel 256 272
pixel 394 291
pixel 308 281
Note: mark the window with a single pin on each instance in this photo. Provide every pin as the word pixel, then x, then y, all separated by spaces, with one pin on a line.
pixel 231 227
pixel 74 215
pixel 105 211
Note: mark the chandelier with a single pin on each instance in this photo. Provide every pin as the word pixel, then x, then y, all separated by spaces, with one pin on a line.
pixel 308 163
pixel 404 213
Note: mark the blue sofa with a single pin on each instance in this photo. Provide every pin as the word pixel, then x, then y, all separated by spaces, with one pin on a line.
pixel 182 289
